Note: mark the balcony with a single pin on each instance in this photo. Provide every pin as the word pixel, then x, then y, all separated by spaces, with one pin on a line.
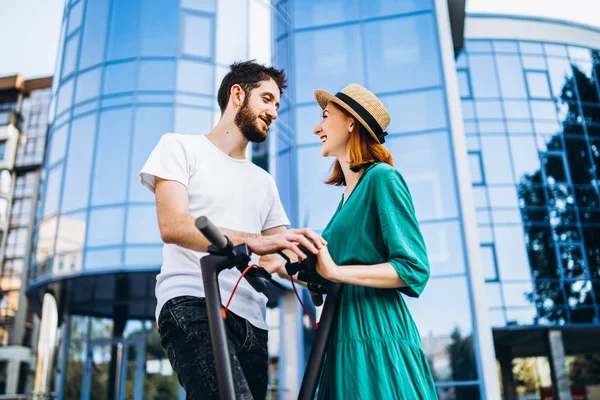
pixel 11 117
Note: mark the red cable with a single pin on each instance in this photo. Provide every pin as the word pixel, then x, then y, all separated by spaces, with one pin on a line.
pixel 224 310
pixel 315 323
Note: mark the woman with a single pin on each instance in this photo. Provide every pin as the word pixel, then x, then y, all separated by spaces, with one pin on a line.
pixel 376 249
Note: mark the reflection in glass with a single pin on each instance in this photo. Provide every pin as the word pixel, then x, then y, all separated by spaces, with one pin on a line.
pixel 160 22
pixel 5 182
pixel 70 239
pixel 106 226
pixel 112 157
pixel 444 247
pixel 149 125
pixel 142 225
pixel 483 76
pixel 197 35
pixel 160 381
pixel 100 359
pixel 446 335
pixel 312 12
pixel 327 64
pixel 94 34
pixel 79 163
pixel 406 48
pixel 192 120
pixel 70 56
pixel 88 85
pixel 510 73
pixel 120 77
pixel 124 29
pixel 538 85
pixel 53 186
pixel 75 369
pixel 157 75
pixel 143 256
pixel 421 159
pixel 192 77
pixel 427 111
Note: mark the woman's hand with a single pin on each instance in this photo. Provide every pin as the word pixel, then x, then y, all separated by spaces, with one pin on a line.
pixel 326 267
pixel 273 263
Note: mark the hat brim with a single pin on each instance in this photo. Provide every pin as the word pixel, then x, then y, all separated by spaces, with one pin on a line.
pixel 324 98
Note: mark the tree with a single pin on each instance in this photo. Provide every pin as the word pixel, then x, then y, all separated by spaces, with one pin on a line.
pixel 585 370
pixel 558 197
pixel 462 363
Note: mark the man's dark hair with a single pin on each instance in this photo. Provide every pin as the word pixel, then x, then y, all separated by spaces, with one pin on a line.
pixel 249 75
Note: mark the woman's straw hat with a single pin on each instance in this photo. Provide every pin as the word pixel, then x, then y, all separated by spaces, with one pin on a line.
pixel 363 105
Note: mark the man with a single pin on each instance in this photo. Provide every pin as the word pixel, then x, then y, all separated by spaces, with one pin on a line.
pixel 210 175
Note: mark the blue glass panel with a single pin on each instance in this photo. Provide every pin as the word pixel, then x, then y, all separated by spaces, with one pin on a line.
pixel 193 121
pixel 524 156
pixel 510 73
pixel 491 127
pixel 416 111
pixel 150 124
pixel 94 33
pixel 531 48
pixel 120 78
pixel 112 157
pixel 58 144
pixel 197 35
pixel 468 110
pixel 323 12
pixel 160 22
pixel 315 211
pixel 444 247
pixel 475 167
pixel 200 5
pixel 143 256
pixel 196 77
pixel 559 72
pixel 580 53
pixel 124 32
pixel 483 76
pixel 533 62
pixel 521 316
pixel 306 119
pixel 120 100
pixel 489 109
pixel 555 50
pixel 478 46
pixel 106 227
pixel 503 196
pixel 70 238
pixel 142 226
pixel 65 97
pixel 496 318
pixel 79 163
pixel 543 109
pixel 88 85
pixel 538 85
pixel 329 64
pixel 454 313
pixel 488 263
pixel 157 75
pixel 286 182
pixel 423 161
pixel 515 294
pixel 496 159
pixel 381 8
pixel 516 109
pixel 464 85
pixel 53 185
pixel 519 127
pixel 75 16
pixel 505 46
pixel 511 253
pixel 70 60
pixel 100 259
pixel 405 49
pixel 480 197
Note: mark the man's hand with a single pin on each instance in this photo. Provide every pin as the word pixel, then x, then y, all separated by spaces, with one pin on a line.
pixel 287 240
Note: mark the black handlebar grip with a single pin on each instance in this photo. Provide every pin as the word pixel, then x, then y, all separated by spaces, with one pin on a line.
pixel 316 298
pixel 211 232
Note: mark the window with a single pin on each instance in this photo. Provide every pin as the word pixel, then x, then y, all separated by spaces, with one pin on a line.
pixel 197 36
pixel 123 36
pixel 160 22
pixel 416 111
pixel 538 84
pixel 94 34
pixel 475 164
pixel 406 50
pixel 2 149
pixel 510 74
pixel 464 84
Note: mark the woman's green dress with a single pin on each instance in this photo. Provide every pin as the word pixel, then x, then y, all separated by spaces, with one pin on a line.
pixel 374 351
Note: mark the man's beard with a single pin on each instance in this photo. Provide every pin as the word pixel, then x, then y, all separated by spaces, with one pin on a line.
pixel 247 122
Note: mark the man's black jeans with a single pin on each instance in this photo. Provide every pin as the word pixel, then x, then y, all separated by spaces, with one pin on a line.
pixel 185 336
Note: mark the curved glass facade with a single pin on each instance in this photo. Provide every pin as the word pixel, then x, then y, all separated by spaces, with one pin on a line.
pixel 393 49
pixel 127 73
pixel 532 120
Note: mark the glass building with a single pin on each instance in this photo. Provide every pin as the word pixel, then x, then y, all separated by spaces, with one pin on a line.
pixel 496 142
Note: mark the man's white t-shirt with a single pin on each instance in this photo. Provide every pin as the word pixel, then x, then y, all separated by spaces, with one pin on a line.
pixel 233 194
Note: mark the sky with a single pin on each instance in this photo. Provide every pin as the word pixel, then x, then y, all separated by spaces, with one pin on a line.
pixel 30 28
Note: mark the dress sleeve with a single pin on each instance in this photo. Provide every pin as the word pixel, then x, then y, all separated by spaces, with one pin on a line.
pixel 401 235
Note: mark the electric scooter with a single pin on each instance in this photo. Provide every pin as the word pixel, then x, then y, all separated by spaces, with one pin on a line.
pixel 223 255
